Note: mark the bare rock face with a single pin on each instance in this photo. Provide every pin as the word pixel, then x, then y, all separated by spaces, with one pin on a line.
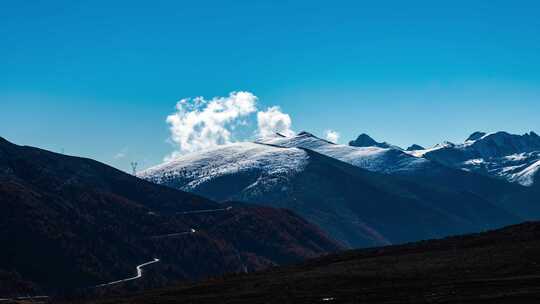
pixel 414 147
pixel 364 140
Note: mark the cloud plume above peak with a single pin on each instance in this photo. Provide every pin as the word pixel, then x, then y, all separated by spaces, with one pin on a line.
pixel 274 121
pixel 198 123
pixel 332 136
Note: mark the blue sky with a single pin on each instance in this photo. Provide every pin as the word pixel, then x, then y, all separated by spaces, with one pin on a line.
pixel 99 79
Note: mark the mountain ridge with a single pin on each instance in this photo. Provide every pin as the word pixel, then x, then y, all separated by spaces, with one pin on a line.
pixel 73 222
pixel 364 140
pixel 513 197
pixel 500 155
pixel 346 201
pixel 497 266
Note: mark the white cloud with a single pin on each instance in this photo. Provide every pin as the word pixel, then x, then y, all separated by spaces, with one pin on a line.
pixel 121 154
pixel 199 124
pixel 332 136
pixel 274 121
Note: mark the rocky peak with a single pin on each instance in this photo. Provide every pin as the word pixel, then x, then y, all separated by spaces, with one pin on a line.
pixel 415 147
pixel 305 134
pixel 475 136
pixel 363 140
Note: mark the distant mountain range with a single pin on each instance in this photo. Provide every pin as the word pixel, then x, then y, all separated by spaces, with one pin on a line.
pixel 522 201
pixel 361 195
pixel 515 158
pixel 68 223
pixel 380 157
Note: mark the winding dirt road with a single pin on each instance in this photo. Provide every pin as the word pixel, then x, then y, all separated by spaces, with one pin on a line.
pixel 156 260
pixel 138 276
pixel 206 211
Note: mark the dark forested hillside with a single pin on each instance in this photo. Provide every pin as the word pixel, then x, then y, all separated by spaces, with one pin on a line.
pixel 68 223
pixel 501 266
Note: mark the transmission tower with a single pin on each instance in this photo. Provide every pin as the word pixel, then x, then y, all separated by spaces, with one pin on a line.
pixel 134 167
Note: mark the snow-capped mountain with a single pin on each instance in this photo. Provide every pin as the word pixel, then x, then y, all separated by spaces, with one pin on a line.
pixel 364 140
pixel 414 147
pixel 355 206
pixel 258 164
pixel 413 166
pixel 380 157
pixel 515 158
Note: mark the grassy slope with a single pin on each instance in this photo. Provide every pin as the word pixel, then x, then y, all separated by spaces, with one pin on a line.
pixel 501 266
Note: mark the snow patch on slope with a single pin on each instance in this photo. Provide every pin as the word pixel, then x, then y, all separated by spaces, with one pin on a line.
pixel 421 153
pixel 526 176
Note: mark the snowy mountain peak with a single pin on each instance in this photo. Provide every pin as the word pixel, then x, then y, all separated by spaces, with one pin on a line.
pixel 415 147
pixel 503 143
pixel 500 154
pixel 251 159
pixel 445 144
pixel 364 140
pixel 374 158
pixel 499 135
pixel 305 134
pixel 475 136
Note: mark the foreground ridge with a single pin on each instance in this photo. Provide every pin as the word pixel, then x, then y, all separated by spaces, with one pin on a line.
pixel 500 266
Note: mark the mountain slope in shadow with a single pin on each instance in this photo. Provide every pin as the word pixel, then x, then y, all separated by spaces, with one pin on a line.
pixel 71 222
pixel 500 266
pixel 358 207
